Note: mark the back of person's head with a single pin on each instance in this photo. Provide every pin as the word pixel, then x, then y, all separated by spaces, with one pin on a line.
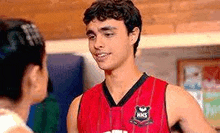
pixel 118 10
pixel 21 44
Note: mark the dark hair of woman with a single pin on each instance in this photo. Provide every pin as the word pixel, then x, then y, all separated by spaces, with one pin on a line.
pixel 21 44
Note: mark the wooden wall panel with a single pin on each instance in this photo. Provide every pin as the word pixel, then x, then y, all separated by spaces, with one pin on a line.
pixel 198 27
pixel 149 1
pixel 181 17
pixel 150 9
pixel 63 24
pixel 56 19
pixel 195 5
pixel 62 19
pixel 158 29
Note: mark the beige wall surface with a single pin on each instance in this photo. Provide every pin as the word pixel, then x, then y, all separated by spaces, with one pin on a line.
pixel 162 63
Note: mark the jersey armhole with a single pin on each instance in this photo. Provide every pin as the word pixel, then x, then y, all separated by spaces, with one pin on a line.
pixel 166 107
pixel 79 106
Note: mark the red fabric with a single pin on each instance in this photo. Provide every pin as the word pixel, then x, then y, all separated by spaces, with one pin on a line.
pixel 96 115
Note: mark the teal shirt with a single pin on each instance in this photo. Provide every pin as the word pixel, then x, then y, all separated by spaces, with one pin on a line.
pixel 46 116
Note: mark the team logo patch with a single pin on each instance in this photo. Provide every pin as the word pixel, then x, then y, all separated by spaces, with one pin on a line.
pixel 142 116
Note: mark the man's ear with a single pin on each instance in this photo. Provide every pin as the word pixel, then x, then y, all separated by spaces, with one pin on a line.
pixel 134 35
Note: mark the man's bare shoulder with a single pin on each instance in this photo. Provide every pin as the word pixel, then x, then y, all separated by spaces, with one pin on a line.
pixel 74 106
pixel 76 101
pixel 183 108
pixel 174 92
pixel 180 100
pixel 173 103
pixel 175 89
pixel 72 115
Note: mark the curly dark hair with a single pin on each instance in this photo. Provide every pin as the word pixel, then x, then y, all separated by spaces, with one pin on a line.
pixel 116 9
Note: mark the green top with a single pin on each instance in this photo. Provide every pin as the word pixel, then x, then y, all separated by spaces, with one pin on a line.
pixel 46 116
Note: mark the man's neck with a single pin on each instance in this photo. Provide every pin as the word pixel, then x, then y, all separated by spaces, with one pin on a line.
pixel 120 82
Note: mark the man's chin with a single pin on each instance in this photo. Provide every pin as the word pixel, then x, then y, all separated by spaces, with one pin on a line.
pixel 105 68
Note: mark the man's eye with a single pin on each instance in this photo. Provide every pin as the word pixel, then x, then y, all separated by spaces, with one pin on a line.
pixel 109 34
pixel 91 37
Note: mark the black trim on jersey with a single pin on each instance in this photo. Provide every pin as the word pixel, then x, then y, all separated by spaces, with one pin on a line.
pixel 127 95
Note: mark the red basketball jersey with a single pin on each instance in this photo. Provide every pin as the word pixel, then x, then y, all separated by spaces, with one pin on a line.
pixel 141 110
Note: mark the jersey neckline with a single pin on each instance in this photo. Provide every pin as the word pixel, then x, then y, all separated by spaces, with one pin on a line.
pixel 127 96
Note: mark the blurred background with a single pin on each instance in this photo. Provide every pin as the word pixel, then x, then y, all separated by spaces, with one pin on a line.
pixel 180 43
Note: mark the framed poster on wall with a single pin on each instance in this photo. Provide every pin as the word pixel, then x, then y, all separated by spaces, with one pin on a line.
pixel 201 78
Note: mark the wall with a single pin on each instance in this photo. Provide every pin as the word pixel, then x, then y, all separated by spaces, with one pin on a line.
pixel 179 16
pixel 62 19
pixel 162 63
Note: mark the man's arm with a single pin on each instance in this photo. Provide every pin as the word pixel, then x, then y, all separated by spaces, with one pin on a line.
pixel 72 115
pixel 183 108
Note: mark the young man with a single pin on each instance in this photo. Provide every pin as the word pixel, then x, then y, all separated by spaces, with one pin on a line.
pixel 128 100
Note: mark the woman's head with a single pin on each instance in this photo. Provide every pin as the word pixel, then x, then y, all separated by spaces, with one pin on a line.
pixel 22 48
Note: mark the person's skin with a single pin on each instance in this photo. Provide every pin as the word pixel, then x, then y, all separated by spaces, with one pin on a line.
pixel 19 130
pixel 34 90
pixel 112 48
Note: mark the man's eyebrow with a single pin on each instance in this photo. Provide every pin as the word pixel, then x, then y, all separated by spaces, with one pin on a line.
pixel 101 29
pixel 107 28
pixel 89 32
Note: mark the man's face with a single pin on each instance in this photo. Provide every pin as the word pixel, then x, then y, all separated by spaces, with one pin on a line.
pixel 109 43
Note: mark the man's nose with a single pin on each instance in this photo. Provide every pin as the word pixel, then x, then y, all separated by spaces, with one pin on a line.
pixel 99 43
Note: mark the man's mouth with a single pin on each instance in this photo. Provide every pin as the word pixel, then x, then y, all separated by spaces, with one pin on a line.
pixel 101 56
